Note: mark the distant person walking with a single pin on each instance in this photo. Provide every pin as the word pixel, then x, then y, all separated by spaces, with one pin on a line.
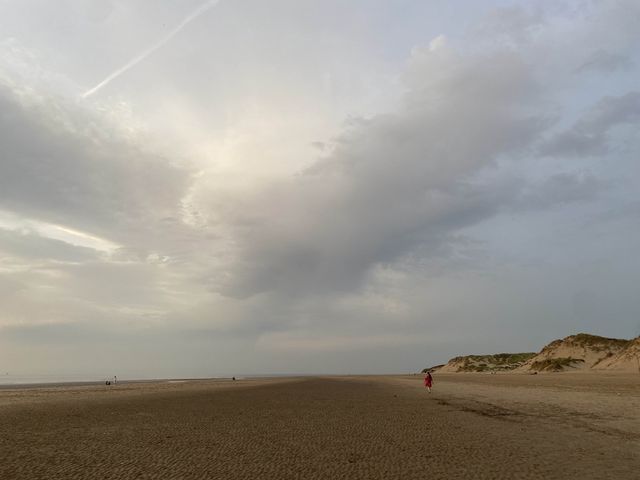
pixel 428 381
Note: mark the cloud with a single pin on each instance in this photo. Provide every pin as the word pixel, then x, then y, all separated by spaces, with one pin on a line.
pixel 33 246
pixel 88 217
pixel 66 165
pixel 287 342
pixel 391 183
pixel 590 134
pixel 189 215
pixel 559 189
pixel 511 24
pixel 602 61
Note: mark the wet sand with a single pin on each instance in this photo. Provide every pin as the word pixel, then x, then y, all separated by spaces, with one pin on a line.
pixel 471 426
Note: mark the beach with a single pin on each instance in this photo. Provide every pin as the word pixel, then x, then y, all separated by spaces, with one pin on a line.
pixel 474 426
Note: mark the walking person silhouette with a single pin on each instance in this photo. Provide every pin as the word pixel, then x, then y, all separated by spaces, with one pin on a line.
pixel 428 381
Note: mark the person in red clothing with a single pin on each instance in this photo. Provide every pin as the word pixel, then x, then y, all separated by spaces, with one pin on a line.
pixel 428 381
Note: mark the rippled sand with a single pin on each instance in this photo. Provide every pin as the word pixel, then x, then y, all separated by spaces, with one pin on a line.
pixel 471 426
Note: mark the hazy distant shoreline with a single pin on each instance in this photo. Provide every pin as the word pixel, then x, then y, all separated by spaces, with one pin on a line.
pixel 86 383
pixel 31 384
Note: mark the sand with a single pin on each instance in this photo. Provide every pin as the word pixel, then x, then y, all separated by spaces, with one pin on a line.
pixel 472 426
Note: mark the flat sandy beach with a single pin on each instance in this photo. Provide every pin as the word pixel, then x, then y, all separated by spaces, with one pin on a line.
pixel 474 426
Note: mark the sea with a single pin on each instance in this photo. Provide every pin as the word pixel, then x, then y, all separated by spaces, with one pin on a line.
pixel 8 380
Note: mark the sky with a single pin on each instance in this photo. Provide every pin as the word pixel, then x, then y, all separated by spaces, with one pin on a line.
pixel 206 188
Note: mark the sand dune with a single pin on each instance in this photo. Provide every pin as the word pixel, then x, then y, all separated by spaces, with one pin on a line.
pixel 500 362
pixel 576 352
pixel 626 360
pixel 473 426
pixel 581 352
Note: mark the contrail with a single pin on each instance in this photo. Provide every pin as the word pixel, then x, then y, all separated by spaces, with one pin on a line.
pixel 137 59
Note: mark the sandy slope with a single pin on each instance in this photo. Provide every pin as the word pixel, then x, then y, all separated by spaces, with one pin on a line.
pixel 627 360
pixel 487 363
pixel 472 426
pixel 587 351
